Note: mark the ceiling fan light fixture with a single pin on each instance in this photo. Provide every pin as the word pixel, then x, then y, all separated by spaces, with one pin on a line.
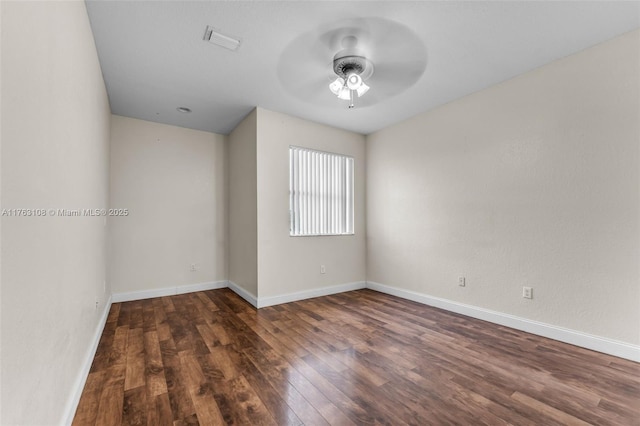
pixel 354 81
pixel 336 86
pixel 344 94
pixel 362 89
pixel 352 69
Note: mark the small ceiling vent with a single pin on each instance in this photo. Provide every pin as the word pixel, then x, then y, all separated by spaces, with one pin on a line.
pixel 216 37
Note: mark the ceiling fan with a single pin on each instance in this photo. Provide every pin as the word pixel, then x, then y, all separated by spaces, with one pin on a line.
pixel 350 58
pixel 352 68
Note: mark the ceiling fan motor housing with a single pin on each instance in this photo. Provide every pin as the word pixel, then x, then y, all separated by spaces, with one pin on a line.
pixel 345 65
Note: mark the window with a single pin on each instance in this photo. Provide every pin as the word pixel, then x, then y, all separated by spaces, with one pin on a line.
pixel 320 193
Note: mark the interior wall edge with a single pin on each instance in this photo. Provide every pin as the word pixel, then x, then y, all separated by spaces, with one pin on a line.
pixel 167 291
pixel 83 374
pixel 565 335
pixel 246 295
pixel 256 302
pixel 263 302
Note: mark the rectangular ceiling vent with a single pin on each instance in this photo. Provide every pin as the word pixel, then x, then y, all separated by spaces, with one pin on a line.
pixel 216 37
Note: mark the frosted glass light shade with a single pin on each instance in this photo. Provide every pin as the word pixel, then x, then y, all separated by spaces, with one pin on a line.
pixel 345 94
pixel 354 81
pixel 336 86
pixel 362 89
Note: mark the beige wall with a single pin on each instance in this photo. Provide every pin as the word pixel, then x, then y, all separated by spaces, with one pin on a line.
pixel 55 153
pixel 292 264
pixel 172 181
pixel 534 182
pixel 243 206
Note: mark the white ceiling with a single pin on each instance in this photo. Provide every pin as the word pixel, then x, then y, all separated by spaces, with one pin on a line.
pixel 154 59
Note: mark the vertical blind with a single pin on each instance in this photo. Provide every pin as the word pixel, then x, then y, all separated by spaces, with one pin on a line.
pixel 320 192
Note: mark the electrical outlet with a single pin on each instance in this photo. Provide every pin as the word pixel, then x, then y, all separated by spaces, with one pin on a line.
pixel 323 270
pixel 97 303
pixel 527 292
pixel 462 281
pixel 194 267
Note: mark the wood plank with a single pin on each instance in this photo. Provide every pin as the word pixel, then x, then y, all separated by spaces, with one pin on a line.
pixel 148 316
pixel 554 413
pixel 161 414
pixel 201 392
pixel 134 407
pixel 252 408
pixel 181 403
pixel 271 393
pixel 90 399
pixel 112 397
pixel 136 316
pixel 135 371
pixel 154 372
pixel 302 388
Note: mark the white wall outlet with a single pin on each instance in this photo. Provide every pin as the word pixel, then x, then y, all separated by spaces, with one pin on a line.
pixel 527 292
pixel 462 281
pixel 323 270
pixel 193 267
pixel 97 303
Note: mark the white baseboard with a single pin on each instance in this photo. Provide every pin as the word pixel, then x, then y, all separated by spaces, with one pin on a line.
pixel 588 341
pixel 81 378
pixel 190 288
pixel 167 291
pixel 252 299
pixel 308 294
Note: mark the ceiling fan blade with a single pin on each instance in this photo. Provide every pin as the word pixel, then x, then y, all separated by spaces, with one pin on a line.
pixel 399 58
pixel 345 34
pixel 309 89
pixel 396 45
pixel 367 100
pixel 393 78
pixel 304 67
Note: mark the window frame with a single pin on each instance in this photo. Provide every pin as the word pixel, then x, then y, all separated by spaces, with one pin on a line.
pixel 319 202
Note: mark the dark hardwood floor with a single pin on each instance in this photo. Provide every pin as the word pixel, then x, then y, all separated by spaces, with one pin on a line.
pixel 354 358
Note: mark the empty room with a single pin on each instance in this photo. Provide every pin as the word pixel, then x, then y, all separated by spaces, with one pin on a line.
pixel 320 213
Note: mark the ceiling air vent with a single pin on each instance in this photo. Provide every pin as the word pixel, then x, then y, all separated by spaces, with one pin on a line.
pixel 216 37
